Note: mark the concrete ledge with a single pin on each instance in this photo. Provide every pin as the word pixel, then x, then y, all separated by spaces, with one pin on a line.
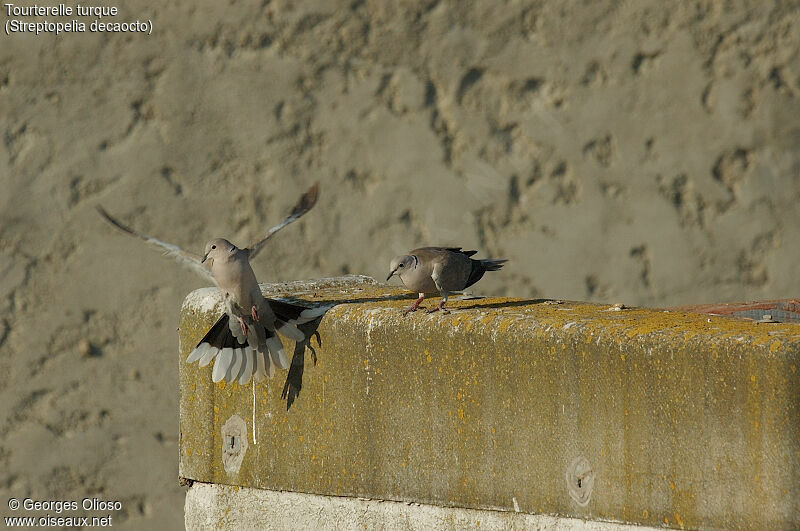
pixel 224 507
pixel 572 409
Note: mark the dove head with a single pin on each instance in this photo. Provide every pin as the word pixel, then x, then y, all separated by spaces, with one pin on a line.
pixel 401 264
pixel 217 248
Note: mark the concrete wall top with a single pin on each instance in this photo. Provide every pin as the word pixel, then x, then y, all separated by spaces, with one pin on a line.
pixel 561 408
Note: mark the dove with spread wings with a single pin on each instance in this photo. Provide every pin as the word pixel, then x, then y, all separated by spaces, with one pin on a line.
pixel 243 342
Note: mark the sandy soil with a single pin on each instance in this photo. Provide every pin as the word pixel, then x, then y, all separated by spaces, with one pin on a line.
pixel 613 151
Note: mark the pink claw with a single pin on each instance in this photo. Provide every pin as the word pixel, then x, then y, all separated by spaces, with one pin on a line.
pixel 254 313
pixel 243 324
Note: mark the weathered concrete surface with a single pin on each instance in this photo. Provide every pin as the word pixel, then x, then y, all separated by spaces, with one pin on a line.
pixel 224 507
pixel 682 419
pixel 784 311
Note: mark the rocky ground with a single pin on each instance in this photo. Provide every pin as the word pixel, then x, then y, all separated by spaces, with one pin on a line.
pixel 635 152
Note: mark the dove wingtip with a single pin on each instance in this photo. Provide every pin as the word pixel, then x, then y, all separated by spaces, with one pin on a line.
pixel 311 196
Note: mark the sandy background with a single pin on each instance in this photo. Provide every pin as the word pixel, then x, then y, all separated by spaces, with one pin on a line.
pixel 613 151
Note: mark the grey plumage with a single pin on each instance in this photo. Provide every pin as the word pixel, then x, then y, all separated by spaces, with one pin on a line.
pixel 243 342
pixel 440 269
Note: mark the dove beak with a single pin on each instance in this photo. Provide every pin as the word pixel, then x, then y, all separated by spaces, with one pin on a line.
pixel 203 261
pixel 390 275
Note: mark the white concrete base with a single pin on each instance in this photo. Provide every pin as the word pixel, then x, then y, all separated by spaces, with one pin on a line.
pixel 224 507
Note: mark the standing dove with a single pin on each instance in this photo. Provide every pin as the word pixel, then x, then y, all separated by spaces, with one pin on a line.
pixel 442 269
pixel 243 340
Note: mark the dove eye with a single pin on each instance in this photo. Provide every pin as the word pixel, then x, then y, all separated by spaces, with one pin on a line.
pixel 213 246
pixel 401 265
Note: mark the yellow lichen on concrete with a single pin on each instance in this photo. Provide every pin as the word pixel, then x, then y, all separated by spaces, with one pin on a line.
pixel 493 401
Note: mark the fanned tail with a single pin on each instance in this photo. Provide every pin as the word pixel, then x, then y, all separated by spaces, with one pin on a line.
pixel 238 357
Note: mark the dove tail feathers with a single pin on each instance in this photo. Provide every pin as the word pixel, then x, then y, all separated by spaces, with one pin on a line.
pixel 289 316
pixel 217 340
pixel 289 330
pixel 221 365
pixel 491 264
pixel 234 358
pixel 479 267
pixel 237 357
pixel 246 371
pixel 277 353
pixel 294 313
pixel 262 367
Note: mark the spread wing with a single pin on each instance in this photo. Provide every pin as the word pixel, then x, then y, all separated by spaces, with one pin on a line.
pixel 191 260
pixel 304 204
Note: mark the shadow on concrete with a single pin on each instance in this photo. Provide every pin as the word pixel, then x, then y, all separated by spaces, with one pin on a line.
pixel 413 296
pixel 403 297
pixel 294 380
pixel 509 304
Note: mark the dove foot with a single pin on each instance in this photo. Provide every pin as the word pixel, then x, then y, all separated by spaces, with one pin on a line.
pixel 254 313
pixel 439 308
pixel 243 325
pixel 414 307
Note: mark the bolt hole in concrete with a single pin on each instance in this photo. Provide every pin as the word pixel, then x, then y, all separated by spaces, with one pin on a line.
pixel 234 443
pixel 580 480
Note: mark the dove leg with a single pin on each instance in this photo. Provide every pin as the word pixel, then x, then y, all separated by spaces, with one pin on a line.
pixel 413 307
pixel 436 275
pixel 243 325
pixel 440 306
